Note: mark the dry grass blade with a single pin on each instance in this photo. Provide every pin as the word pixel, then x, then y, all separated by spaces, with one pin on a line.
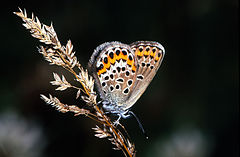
pixel 55 102
pixel 60 82
pixel 55 53
pixel 64 56
pixel 44 33
pixel 101 133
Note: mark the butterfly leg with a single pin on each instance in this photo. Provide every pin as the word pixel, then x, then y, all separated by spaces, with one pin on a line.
pixel 124 115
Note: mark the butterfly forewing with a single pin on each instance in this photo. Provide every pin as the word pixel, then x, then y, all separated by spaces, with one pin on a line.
pixel 114 67
pixel 149 56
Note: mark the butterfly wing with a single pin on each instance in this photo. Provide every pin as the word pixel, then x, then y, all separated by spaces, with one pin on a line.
pixel 114 67
pixel 149 56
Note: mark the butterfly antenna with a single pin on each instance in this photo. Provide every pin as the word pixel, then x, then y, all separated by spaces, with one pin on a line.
pixel 140 124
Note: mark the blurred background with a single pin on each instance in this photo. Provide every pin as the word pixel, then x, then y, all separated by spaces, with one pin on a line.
pixel 189 110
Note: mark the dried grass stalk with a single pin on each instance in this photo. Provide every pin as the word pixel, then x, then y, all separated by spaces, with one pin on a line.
pixel 64 56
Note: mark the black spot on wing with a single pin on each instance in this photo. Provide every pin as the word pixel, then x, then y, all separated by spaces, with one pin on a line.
pixel 140 77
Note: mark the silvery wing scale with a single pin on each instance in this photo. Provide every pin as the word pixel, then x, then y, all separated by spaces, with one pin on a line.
pixel 123 72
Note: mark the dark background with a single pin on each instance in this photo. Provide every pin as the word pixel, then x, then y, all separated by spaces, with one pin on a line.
pixel 189 110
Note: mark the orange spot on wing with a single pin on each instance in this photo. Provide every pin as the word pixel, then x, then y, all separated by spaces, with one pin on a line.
pixel 138 53
pixel 146 53
pixel 125 57
pixel 133 68
pixel 121 56
pixel 129 62
pixel 112 61
pixel 152 54
pixel 106 65
pixel 103 70
pixel 118 57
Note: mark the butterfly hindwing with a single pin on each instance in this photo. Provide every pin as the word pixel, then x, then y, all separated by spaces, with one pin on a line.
pixel 149 56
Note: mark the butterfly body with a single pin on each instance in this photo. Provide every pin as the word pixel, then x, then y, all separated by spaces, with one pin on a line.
pixel 123 72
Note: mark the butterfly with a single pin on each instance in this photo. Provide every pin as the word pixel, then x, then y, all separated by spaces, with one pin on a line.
pixel 123 72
